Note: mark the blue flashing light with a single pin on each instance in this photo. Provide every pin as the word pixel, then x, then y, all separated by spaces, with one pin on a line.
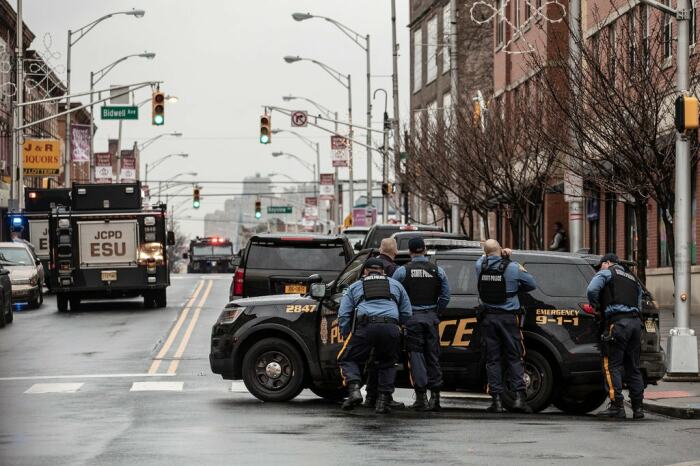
pixel 16 221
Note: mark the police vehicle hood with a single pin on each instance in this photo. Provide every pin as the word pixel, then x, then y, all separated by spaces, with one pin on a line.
pixel 279 299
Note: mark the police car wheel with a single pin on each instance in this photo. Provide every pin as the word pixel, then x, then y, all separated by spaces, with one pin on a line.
pixel 5 317
pixel 581 404
pixel 9 314
pixel 273 370
pixel 35 304
pixel 539 382
pixel 160 298
pixel 62 302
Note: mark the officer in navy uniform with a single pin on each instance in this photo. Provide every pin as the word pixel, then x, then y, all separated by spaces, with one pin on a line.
pixel 429 291
pixel 369 318
pixel 499 281
pixel 617 295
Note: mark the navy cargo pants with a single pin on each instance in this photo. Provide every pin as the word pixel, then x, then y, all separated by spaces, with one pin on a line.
pixel 384 338
pixel 502 338
pixel 621 356
pixel 423 346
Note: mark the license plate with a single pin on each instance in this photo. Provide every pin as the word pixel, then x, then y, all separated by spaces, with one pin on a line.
pixel 295 289
pixel 649 325
pixel 109 275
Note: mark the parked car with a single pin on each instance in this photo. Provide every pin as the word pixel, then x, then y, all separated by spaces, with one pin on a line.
pixel 562 362
pixel 379 231
pixel 6 311
pixel 26 273
pixel 403 237
pixel 356 235
pixel 283 263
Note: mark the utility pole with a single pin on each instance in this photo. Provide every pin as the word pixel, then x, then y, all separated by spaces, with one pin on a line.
pixel 18 165
pixel 66 151
pixel 682 341
pixel 454 97
pixel 351 187
pixel 369 127
pixel 395 97
pixel 574 180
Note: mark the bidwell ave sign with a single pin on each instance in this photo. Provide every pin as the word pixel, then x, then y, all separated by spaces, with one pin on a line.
pixel 120 112
pixel 42 157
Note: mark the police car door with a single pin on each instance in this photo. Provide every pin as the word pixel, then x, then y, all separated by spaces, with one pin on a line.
pixel 330 340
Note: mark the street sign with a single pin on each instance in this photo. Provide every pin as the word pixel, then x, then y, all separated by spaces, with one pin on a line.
pixel 300 118
pixel 120 112
pixel 42 157
pixel 327 187
pixel 279 209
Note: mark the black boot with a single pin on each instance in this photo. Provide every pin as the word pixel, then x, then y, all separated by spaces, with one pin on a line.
pixel 616 410
pixel 496 404
pixel 637 409
pixel 394 404
pixel 354 397
pixel 434 403
pixel 382 406
pixel 520 405
pixel 370 400
pixel 421 403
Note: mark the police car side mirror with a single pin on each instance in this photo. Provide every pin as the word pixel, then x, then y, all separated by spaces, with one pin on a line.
pixel 185 255
pixel 315 278
pixel 358 246
pixel 170 238
pixel 318 290
pixel 37 262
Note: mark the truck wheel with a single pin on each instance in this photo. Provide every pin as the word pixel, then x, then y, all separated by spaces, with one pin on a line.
pixel 330 394
pixel 581 404
pixel 273 370
pixel 36 304
pixel 62 302
pixel 5 316
pixel 9 312
pixel 74 303
pixel 539 382
pixel 161 298
pixel 148 300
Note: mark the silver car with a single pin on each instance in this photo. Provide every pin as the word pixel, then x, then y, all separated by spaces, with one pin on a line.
pixel 26 273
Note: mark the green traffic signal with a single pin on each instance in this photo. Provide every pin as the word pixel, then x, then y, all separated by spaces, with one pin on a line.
pixel 258 214
pixel 264 139
pixel 196 204
pixel 158 120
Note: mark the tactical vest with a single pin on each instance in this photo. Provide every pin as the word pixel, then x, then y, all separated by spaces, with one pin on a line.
pixel 422 283
pixel 492 283
pixel 622 288
pixel 376 287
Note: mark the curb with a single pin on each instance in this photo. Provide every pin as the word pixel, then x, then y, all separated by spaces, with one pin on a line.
pixel 679 412
pixel 681 378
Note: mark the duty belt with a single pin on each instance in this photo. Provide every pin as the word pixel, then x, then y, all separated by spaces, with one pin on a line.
pixel 365 319
pixel 621 315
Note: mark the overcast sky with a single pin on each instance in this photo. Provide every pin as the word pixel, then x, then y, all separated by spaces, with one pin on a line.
pixel 223 59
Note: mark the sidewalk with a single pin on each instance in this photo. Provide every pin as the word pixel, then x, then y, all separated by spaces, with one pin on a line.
pixel 674 397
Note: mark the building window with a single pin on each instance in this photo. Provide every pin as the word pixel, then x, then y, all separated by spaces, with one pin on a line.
pixel 528 11
pixel 516 14
pixel 694 216
pixel 447 108
pixel 632 39
pixel 645 32
pixel 417 123
pixel 432 48
pixel 612 56
pixel 610 222
pixel 631 233
pixel 593 217
pixel 668 33
pixel 538 6
pixel 664 255
pixel 417 60
pixel 500 24
pixel 432 115
pixel 691 24
pixel 446 39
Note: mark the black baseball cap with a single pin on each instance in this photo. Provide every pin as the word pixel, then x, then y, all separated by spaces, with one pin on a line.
pixel 374 263
pixel 609 257
pixel 416 244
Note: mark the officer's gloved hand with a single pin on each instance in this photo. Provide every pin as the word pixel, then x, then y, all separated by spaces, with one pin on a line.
pixel 506 252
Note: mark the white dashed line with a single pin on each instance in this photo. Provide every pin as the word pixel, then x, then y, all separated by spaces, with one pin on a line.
pixel 238 387
pixel 54 388
pixel 157 387
pixel 81 376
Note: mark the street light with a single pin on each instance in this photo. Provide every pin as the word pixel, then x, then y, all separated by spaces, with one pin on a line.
pixel 173 178
pixel 346 82
pixel 80 32
pixel 170 98
pixel 270 175
pixel 95 77
pixel 313 145
pixel 324 110
pixel 362 42
pixel 150 141
pixel 307 165
pixel 161 160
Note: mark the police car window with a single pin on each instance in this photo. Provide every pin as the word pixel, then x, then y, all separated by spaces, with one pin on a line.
pixel 223 250
pixel 312 256
pixel 201 250
pixel 460 275
pixel 352 272
pixel 558 279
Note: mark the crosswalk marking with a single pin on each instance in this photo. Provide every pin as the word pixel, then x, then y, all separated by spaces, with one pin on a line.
pixel 157 386
pixel 54 388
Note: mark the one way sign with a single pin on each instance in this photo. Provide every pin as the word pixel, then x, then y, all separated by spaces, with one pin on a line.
pixel 300 118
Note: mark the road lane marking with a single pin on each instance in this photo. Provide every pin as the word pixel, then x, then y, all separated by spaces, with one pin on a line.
pixel 238 387
pixel 173 333
pixel 38 388
pixel 80 376
pixel 188 333
pixel 156 387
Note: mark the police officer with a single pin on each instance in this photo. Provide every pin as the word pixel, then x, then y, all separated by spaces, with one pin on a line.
pixel 617 295
pixel 429 291
pixel 369 317
pixel 499 281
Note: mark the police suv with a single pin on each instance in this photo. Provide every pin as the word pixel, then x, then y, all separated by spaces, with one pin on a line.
pixel 279 345
pixel 106 245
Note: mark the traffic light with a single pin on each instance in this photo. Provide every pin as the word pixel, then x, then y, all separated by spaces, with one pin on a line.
pixel 687 113
pixel 158 107
pixel 265 129
pixel 258 209
pixel 195 198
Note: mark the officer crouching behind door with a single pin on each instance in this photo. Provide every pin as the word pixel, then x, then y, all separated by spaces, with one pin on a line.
pixel 369 317
pixel 499 281
pixel 617 295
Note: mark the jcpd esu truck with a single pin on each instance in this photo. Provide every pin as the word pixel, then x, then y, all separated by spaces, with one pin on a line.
pixel 210 254
pixel 106 246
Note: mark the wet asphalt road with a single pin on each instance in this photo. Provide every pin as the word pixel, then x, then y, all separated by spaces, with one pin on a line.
pixel 100 356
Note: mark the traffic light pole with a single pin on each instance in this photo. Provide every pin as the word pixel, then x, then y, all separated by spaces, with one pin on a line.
pixel 682 341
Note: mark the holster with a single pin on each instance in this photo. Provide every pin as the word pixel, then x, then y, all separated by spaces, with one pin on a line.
pixel 606 339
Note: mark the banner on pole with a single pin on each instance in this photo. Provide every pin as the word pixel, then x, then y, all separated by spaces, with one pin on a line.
pixel 340 151
pixel 327 187
pixel 42 157
pixel 80 143
pixel 128 173
pixel 311 208
pixel 103 167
